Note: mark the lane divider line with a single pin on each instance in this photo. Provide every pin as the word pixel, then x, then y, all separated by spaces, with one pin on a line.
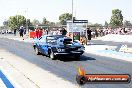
pixel 7 80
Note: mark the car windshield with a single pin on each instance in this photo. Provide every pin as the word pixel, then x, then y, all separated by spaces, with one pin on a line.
pixel 67 41
pixel 59 36
pixel 53 39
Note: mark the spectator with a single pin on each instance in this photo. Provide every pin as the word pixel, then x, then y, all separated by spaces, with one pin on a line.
pixel 96 33
pixel 24 30
pixel 40 32
pixel 7 31
pixel 15 32
pixel 37 32
pixel 46 31
pixel 89 34
pixel 21 30
pixel 64 32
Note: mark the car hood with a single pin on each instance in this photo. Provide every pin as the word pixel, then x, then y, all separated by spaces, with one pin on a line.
pixel 69 45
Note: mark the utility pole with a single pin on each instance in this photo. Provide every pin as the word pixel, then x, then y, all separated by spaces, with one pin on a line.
pixel 72 22
pixel 26 20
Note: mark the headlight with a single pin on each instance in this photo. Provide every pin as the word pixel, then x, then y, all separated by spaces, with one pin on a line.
pixel 60 50
pixel 81 49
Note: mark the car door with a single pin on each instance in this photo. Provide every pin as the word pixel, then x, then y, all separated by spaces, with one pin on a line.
pixel 38 43
pixel 43 46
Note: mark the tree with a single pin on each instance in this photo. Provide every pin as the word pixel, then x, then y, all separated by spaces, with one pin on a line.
pixel 58 24
pixel 106 24
pixel 1 27
pixel 64 17
pixel 116 18
pixel 16 21
pixel 35 22
pixel 44 21
pixel 52 23
pixel 5 23
pixel 28 22
pixel 95 25
pixel 127 23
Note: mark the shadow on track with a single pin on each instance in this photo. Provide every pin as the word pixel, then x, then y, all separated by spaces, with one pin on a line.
pixel 82 58
pixel 97 44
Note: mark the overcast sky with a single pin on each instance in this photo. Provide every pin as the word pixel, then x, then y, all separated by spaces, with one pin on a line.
pixel 96 11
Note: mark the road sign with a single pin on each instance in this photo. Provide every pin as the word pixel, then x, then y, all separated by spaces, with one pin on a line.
pixel 80 21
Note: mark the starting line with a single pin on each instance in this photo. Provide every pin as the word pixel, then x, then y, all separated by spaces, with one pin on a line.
pixel 6 83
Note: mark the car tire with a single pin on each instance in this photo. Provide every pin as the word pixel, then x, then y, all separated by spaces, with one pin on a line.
pixel 51 55
pixel 36 51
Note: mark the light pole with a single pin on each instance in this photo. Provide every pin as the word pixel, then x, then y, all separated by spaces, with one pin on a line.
pixel 72 11
pixel 17 20
pixel 26 19
pixel 72 22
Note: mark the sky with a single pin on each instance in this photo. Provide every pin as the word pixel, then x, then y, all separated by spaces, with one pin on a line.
pixel 95 11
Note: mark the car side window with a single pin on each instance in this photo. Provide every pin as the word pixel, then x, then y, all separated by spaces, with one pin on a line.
pixel 51 40
pixel 42 39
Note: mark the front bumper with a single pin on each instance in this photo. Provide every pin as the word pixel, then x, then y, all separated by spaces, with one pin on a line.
pixel 72 53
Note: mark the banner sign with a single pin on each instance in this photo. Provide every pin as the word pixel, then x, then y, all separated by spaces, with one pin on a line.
pixel 80 21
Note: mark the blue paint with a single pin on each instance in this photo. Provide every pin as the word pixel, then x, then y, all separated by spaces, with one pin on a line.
pixel 5 80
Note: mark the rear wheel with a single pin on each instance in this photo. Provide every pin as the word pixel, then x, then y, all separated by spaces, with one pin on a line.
pixel 36 51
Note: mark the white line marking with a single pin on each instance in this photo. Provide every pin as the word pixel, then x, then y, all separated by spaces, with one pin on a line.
pixel 2 85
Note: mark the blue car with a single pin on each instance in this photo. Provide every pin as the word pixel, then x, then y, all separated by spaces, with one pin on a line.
pixel 58 46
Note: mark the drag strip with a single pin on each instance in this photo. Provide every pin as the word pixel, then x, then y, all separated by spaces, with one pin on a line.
pixel 5 80
pixel 111 43
pixel 67 69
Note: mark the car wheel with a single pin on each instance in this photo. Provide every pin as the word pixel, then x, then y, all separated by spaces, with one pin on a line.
pixel 51 55
pixel 36 51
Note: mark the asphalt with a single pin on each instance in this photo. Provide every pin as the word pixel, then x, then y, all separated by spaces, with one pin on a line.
pixel 67 68
pixel 111 43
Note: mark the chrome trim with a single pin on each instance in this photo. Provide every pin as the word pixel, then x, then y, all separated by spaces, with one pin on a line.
pixel 75 52
pixel 60 53
pixel 72 52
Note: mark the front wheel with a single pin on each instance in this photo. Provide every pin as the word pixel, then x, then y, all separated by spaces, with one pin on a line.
pixel 51 55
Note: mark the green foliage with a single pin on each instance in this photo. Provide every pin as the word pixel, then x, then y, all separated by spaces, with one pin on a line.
pixel 28 22
pixel 2 27
pixel 64 17
pixel 52 23
pixel 44 21
pixel 116 18
pixel 35 22
pixel 5 23
pixel 106 24
pixel 16 21
pixel 95 25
